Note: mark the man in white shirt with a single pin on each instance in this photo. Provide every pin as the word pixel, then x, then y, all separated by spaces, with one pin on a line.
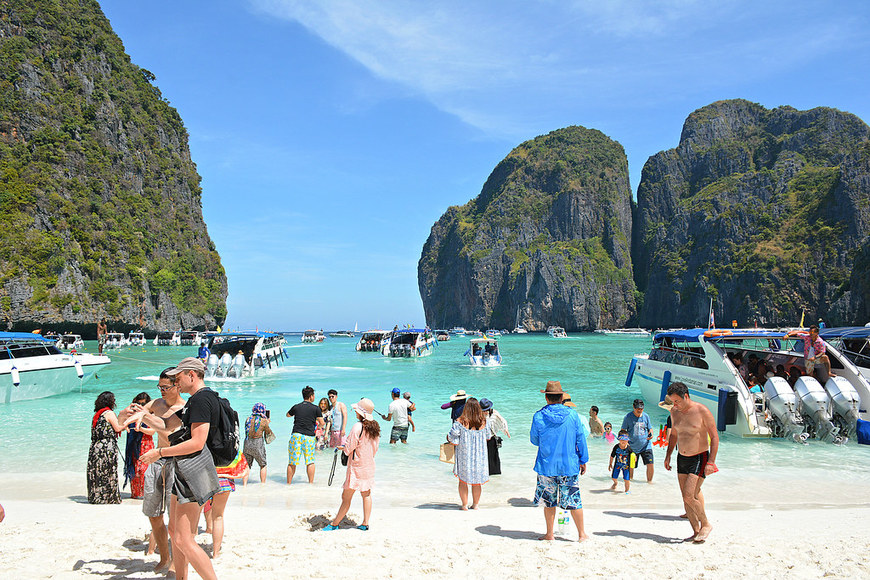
pixel 398 412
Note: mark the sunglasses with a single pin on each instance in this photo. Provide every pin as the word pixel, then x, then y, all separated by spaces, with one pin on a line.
pixel 162 389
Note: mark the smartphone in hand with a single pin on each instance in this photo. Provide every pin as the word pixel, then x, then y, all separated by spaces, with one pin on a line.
pixel 268 414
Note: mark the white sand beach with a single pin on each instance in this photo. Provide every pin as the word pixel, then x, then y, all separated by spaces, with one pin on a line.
pixel 271 532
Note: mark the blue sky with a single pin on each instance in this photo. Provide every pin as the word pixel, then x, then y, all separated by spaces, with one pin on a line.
pixel 331 135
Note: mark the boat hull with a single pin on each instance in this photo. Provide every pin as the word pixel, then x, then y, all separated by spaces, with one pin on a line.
pixel 47 376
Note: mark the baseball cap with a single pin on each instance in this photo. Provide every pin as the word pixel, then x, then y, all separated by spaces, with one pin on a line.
pixel 396 391
pixel 189 364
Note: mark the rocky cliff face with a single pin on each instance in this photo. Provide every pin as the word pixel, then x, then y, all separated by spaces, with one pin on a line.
pixel 545 243
pixel 100 209
pixel 764 211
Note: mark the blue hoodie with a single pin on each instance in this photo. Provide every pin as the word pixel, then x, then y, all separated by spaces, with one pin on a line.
pixel 558 433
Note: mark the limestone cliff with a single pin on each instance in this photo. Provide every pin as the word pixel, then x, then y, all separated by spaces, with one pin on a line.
pixel 764 211
pixel 547 241
pixel 100 203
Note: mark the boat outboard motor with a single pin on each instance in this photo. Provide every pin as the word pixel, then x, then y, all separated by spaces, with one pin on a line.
pixel 782 403
pixel 238 365
pixel 845 403
pixel 813 404
pixel 212 366
pixel 226 363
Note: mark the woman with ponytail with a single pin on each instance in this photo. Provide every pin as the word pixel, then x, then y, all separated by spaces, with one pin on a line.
pixel 360 448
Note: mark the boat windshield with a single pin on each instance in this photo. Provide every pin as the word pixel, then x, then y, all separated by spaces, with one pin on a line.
pixel 678 351
pixel 26 349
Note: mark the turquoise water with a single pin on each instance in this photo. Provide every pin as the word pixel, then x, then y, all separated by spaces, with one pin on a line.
pixel 44 443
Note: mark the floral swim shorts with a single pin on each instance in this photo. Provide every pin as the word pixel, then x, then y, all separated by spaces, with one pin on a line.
pixel 301 449
pixel 558 491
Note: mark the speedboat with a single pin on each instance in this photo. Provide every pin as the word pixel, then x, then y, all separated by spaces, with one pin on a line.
pixel 342 334
pixel 520 330
pixel 484 352
pixel 243 354
pixel 136 339
pixel 457 331
pixel 115 340
pixel 168 338
pixel 33 367
pixel 189 338
pixel 638 332
pixel 853 342
pixel 492 332
pixel 557 332
pixel 373 340
pixel 442 335
pixel 410 342
pixel 807 406
pixel 70 342
pixel 313 336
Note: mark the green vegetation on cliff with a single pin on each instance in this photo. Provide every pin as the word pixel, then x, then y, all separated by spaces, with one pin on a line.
pixel 100 207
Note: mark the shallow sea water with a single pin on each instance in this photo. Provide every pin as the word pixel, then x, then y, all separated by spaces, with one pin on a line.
pixel 44 443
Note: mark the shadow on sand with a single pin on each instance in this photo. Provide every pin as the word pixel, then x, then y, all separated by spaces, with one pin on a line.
pixel 645 516
pixel 521 502
pixel 438 506
pixel 513 534
pixel 640 536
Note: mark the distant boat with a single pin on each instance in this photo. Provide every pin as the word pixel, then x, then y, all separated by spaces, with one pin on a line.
pixel 314 336
pixel 342 334
pixel 557 332
pixel 492 332
pixel 639 332
pixel 373 340
pixel 243 354
pixel 115 340
pixel 484 352
pixel 136 339
pixel 168 338
pixel 189 337
pixel 442 335
pixel 520 330
pixel 70 342
pixel 458 331
pixel 410 342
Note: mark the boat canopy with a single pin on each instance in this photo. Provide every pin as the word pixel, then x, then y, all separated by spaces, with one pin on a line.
pixel 845 332
pixel 696 334
pixel 24 336
pixel 410 330
pixel 484 341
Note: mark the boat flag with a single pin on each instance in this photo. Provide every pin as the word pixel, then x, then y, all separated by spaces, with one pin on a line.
pixel 801 325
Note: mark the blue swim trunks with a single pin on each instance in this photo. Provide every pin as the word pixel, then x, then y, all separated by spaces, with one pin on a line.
pixel 560 491
pixel 625 473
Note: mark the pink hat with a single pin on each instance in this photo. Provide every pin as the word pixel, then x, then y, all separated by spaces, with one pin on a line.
pixel 365 408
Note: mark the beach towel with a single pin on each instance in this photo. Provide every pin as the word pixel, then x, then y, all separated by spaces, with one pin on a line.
pixel 863 431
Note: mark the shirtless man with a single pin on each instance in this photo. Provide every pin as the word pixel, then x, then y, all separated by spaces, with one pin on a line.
pixel 694 430
pixel 160 477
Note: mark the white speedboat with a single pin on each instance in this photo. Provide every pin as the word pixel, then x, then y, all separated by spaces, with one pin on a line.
pixel 70 342
pixel 492 332
pixel 410 342
pixel 115 340
pixel 168 338
pixel 557 332
pixel 374 340
pixel 243 354
pixel 457 331
pixel 808 406
pixel 342 334
pixel 637 332
pixel 484 352
pixel 189 338
pixel 520 330
pixel 32 367
pixel 442 335
pixel 136 339
pixel 313 336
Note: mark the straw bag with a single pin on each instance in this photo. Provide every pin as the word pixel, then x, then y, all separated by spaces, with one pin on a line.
pixel 447 452
pixel 269 435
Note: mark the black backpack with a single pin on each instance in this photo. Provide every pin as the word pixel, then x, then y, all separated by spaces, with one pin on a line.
pixel 224 443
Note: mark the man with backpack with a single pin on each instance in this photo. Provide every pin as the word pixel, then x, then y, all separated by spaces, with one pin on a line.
pixel 206 421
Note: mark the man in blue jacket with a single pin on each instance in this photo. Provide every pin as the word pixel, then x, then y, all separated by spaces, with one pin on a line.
pixel 562 458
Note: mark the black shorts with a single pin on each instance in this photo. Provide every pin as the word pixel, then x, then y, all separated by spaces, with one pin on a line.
pixel 647 457
pixel 693 464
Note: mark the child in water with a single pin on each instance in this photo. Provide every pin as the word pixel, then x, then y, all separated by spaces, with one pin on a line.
pixel 608 433
pixel 407 396
pixel 621 459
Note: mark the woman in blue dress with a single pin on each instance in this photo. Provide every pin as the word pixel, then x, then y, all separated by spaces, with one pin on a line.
pixel 469 434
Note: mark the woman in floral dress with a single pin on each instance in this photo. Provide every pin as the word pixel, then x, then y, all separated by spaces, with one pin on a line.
pixel 139 441
pixel 469 433
pixel 102 471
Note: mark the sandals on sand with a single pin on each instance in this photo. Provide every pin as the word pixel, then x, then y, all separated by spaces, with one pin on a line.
pixel 329 528
pixel 363 528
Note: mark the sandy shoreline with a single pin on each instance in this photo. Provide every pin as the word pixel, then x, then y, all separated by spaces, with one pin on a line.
pixel 68 538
